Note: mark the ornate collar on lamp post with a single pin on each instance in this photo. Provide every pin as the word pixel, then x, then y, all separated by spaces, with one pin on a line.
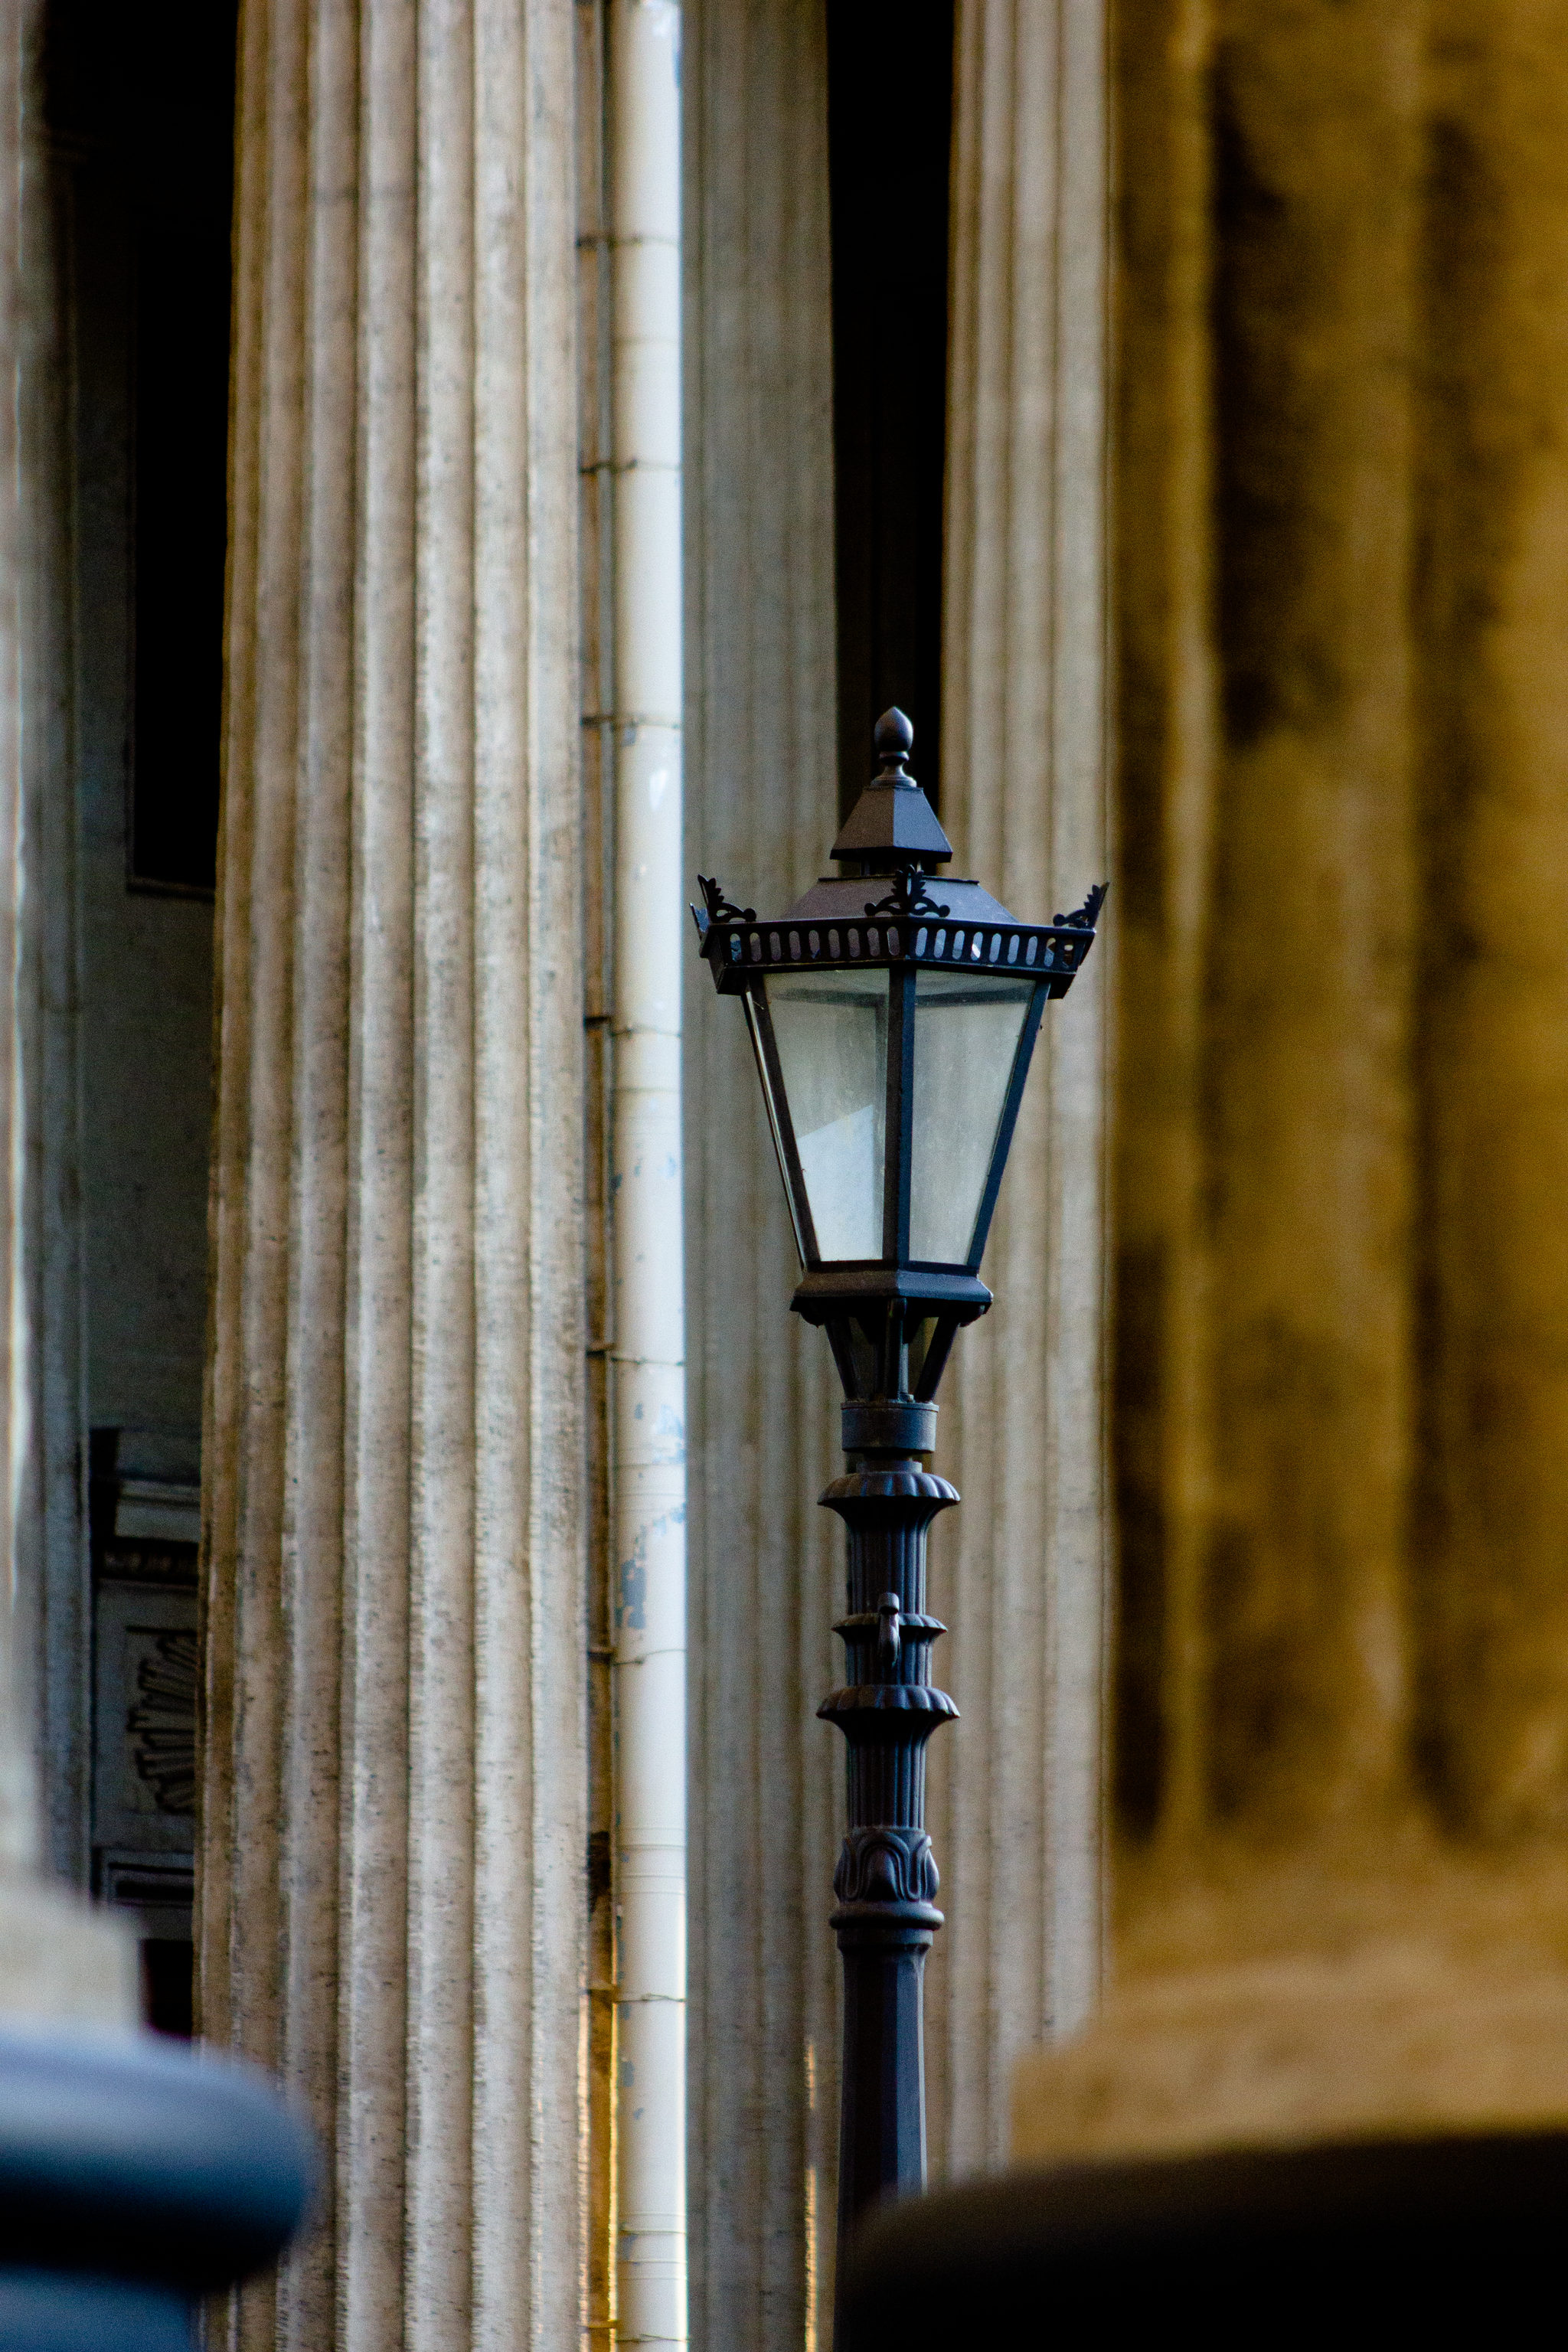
pixel 893 1015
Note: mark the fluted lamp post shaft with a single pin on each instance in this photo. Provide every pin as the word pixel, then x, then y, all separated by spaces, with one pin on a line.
pixel 886 1881
pixel 893 1020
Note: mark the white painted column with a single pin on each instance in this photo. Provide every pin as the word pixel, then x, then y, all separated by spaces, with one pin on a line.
pixel 1020 1572
pixel 393 1874
pixel 648 1407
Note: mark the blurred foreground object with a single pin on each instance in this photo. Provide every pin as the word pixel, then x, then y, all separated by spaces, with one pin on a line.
pixel 1340 1435
pixel 135 2175
pixel 1251 2247
pixel 134 2178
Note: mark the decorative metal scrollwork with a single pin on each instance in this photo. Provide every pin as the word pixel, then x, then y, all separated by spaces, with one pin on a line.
pixel 720 908
pixel 886 1865
pixel 1082 918
pixel 908 895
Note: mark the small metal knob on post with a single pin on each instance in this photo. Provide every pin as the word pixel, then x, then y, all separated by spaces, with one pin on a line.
pixel 888 1615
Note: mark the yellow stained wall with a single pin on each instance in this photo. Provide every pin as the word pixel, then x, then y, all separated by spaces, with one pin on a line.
pixel 1340 1426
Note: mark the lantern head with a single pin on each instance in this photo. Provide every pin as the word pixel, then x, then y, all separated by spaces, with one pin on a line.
pixel 893 1016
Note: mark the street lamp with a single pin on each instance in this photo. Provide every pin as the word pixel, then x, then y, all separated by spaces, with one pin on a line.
pixel 893 1026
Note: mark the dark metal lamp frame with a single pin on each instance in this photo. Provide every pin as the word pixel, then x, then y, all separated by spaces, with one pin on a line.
pixel 867 947
pixel 890 1322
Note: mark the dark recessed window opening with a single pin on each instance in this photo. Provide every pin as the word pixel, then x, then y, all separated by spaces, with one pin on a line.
pixel 890 141
pixel 153 105
pixel 168 1995
pixel 178 543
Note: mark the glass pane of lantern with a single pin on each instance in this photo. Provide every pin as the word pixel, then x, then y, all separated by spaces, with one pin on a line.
pixel 831 1032
pixel 966 1034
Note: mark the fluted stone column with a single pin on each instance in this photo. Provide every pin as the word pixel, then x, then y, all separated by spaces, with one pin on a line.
pixel 1342 1284
pixel 56 1960
pixel 1019 1568
pixel 766 1565
pixel 1019 1572
pixel 393 1871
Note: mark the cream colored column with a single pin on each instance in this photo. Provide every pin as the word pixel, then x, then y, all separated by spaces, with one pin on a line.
pixel 57 1961
pixel 392 1886
pixel 1019 1572
pixel 1342 1738
pixel 766 1564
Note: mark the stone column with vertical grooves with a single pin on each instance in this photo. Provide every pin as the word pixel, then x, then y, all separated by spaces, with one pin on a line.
pixel 766 1565
pixel 392 1873
pixel 1342 1275
pixel 1020 1573
pixel 56 1959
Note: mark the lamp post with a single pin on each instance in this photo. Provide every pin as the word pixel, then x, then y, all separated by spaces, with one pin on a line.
pixel 893 1020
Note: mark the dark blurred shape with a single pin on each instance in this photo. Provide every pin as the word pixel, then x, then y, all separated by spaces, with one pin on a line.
pixel 889 136
pixel 167 2005
pixel 1248 2247
pixel 134 2179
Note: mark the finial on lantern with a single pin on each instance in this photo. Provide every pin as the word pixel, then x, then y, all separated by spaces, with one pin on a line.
pixel 894 739
pixel 892 825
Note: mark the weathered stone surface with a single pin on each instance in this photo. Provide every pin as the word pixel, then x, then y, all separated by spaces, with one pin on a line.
pixel 766 1566
pixel 1020 1573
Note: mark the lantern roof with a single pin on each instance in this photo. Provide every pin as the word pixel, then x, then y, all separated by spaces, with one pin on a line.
pixel 890 908
pixel 893 830
pixel 845 897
